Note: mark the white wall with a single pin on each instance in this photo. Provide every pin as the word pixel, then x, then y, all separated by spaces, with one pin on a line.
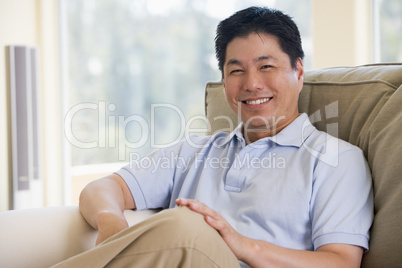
pixel 342 33
pixel 33 23
pixel 18 25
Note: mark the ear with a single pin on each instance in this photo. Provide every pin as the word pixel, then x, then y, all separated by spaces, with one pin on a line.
pixel 300 73
pixel 224 88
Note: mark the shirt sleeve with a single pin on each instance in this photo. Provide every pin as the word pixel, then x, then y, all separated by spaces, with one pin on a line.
pixel 156 180
pixel 150 179
pixel 342 201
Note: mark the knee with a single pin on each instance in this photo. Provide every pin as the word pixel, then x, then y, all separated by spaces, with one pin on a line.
pixel 185 225
pixel 188 229
pixel 184 220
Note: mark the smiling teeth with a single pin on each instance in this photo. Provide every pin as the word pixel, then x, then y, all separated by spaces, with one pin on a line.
pixel 255 102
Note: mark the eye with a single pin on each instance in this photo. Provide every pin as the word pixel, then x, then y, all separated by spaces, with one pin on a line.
pixel 266 67
pixel 236 71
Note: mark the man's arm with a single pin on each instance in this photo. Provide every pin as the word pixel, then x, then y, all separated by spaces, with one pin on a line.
pixel 257 253
pixel 262 253
pixel 102 204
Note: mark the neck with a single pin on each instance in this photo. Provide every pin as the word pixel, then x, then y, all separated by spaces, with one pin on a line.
pixel 257 134
pixel 253 134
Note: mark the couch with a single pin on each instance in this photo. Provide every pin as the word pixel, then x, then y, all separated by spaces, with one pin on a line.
pixel 362 105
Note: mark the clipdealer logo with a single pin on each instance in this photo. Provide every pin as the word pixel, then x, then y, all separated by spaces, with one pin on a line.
pixel 182 164
pixel 111 129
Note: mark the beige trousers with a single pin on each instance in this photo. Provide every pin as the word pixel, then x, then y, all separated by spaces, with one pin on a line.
pixel 175 237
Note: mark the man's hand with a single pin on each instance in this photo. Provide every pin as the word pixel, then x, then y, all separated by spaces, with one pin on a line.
pixel 236 242
pixel 109 224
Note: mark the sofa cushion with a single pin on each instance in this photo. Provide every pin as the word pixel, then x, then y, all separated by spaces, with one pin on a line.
pixel 220 116
pixel 362 105
pixel 42 237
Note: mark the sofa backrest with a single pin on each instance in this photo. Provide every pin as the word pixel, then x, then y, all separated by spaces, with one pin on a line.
pixel 362 105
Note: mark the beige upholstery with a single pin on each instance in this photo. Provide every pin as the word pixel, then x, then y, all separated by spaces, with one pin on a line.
pixel 362 105
pixel 45 236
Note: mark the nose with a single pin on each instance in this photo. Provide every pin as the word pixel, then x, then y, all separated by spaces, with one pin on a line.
pixel 253 82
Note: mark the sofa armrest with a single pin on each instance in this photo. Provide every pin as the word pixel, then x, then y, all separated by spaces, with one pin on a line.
pixel 44 236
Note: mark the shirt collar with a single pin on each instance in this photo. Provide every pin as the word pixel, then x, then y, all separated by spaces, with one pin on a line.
pixel 237 133
pixel 292 135
pixel 295 133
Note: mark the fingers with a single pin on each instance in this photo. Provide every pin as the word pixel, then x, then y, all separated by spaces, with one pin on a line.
pixel 232 238
pixel 197 206
pixel 219 225
pixel 213 218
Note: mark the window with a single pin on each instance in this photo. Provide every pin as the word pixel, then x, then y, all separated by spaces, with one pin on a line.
pixel 388 29
pixel 135 71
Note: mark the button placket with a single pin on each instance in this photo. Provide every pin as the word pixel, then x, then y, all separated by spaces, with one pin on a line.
pixel 236 175
pixel 234 180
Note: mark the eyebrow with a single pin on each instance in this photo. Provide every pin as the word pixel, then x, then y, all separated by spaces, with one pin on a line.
pixel 269 57
pixel 233 62
pixel 259 59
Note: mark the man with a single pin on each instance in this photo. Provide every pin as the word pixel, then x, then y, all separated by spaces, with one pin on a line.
pixel 314 209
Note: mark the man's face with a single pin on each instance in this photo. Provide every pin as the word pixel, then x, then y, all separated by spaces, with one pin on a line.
pixel 260 84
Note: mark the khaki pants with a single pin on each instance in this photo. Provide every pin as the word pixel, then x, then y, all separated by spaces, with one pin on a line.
pixel 176 237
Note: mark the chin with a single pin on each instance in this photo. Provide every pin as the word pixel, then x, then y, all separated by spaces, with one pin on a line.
pixel 258 124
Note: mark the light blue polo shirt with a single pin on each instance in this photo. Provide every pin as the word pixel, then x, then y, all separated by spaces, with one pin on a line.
pixel 300 189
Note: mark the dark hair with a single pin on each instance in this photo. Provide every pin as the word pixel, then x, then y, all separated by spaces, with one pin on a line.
pixel 259 20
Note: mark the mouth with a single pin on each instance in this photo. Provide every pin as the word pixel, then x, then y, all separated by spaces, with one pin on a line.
pixel 257 101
